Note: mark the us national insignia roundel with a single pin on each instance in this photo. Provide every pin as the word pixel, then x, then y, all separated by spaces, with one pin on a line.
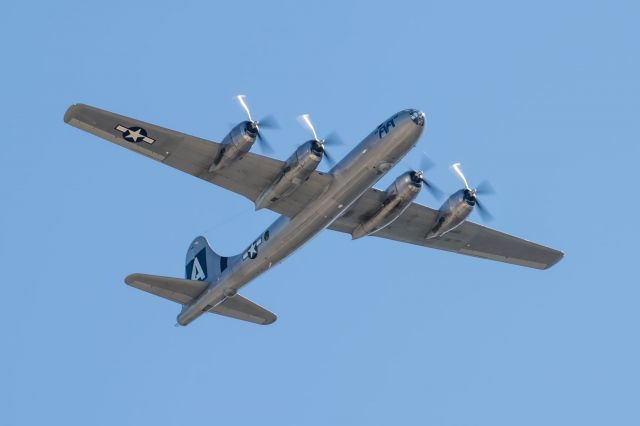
pixel 134 134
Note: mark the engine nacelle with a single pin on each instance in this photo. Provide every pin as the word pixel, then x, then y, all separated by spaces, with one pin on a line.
pixel 453 212
pixel 237 143
pixel 399 195
pixel 296 171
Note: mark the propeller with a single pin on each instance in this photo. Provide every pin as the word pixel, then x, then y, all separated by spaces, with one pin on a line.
pixel 418 176
pixel 483 188
pixel 332 139
pixel 268 122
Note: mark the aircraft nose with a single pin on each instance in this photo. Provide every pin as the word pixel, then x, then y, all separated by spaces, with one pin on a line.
pixel 417 117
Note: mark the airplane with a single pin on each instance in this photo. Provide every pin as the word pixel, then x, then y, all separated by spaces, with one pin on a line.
pixel 308 201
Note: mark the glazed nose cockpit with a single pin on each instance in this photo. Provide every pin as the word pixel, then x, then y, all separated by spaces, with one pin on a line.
pixel 416 116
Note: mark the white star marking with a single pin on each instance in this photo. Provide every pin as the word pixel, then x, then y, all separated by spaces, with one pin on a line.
pixel 252 251
pixel 135 135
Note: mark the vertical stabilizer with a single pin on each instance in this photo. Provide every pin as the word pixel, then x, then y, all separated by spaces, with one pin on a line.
pixel 202 263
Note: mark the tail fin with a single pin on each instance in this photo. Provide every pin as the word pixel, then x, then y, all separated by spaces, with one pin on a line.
pixel 202 263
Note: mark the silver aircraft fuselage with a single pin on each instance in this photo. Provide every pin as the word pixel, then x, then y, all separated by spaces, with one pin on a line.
pixel 351 177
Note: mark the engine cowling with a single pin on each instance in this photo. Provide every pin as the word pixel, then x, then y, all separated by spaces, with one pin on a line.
pixel 399 195
pixel 295 172
pixel 237 143
pixel 453 212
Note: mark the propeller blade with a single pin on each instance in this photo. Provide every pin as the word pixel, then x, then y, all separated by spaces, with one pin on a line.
pixel 484 213
pixel 269 122
pixel 264 145
pixel 485 188
pixel 456 168
pixel 426 163
pixel 306 122
pixel 329 159
pixel 241 100
pixel 333 139
pixel 434 190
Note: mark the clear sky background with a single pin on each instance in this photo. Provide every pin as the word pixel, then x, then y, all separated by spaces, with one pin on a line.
pixel 541 98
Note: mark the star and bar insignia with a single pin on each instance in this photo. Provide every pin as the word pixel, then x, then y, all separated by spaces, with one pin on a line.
pixel 252 251
pixel 134 134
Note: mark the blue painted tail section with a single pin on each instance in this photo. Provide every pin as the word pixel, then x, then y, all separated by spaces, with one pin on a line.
pixel 202 263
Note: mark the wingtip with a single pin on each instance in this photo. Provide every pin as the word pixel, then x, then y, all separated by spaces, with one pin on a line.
pixel 70 112
pixel 270 320
pixel 559 257
pixel 131 278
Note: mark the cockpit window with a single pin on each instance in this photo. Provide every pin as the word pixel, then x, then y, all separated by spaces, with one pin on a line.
pixel 416 116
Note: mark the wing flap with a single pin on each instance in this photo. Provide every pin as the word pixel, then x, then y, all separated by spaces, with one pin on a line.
pixel 241 308
pixel 175 289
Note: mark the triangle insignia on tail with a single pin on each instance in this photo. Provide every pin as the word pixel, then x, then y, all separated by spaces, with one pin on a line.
pixel 197 269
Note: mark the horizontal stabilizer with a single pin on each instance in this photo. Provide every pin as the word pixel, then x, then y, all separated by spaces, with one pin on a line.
pixel 176 289
pixel 241 308
pixel 186 291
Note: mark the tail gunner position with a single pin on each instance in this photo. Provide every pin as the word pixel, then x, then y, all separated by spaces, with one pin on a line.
pixel 308 200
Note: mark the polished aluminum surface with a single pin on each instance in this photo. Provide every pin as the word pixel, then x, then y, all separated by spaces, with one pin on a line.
pixel 399 195
pixel 237 142
pixel 451 215
pixel 295 172
pixel 352 177
pixel 315 203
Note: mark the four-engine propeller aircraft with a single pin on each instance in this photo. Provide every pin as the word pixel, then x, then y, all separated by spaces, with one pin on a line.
pixel 308 200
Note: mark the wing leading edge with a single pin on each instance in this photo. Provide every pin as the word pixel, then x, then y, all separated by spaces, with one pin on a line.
pixel 469 238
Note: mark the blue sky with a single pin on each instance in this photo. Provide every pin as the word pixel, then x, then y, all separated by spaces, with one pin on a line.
pixel 542 99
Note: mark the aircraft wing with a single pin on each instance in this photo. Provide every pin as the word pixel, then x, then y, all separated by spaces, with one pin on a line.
pixel 248 176
pixel 469 238
pixel 186 291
